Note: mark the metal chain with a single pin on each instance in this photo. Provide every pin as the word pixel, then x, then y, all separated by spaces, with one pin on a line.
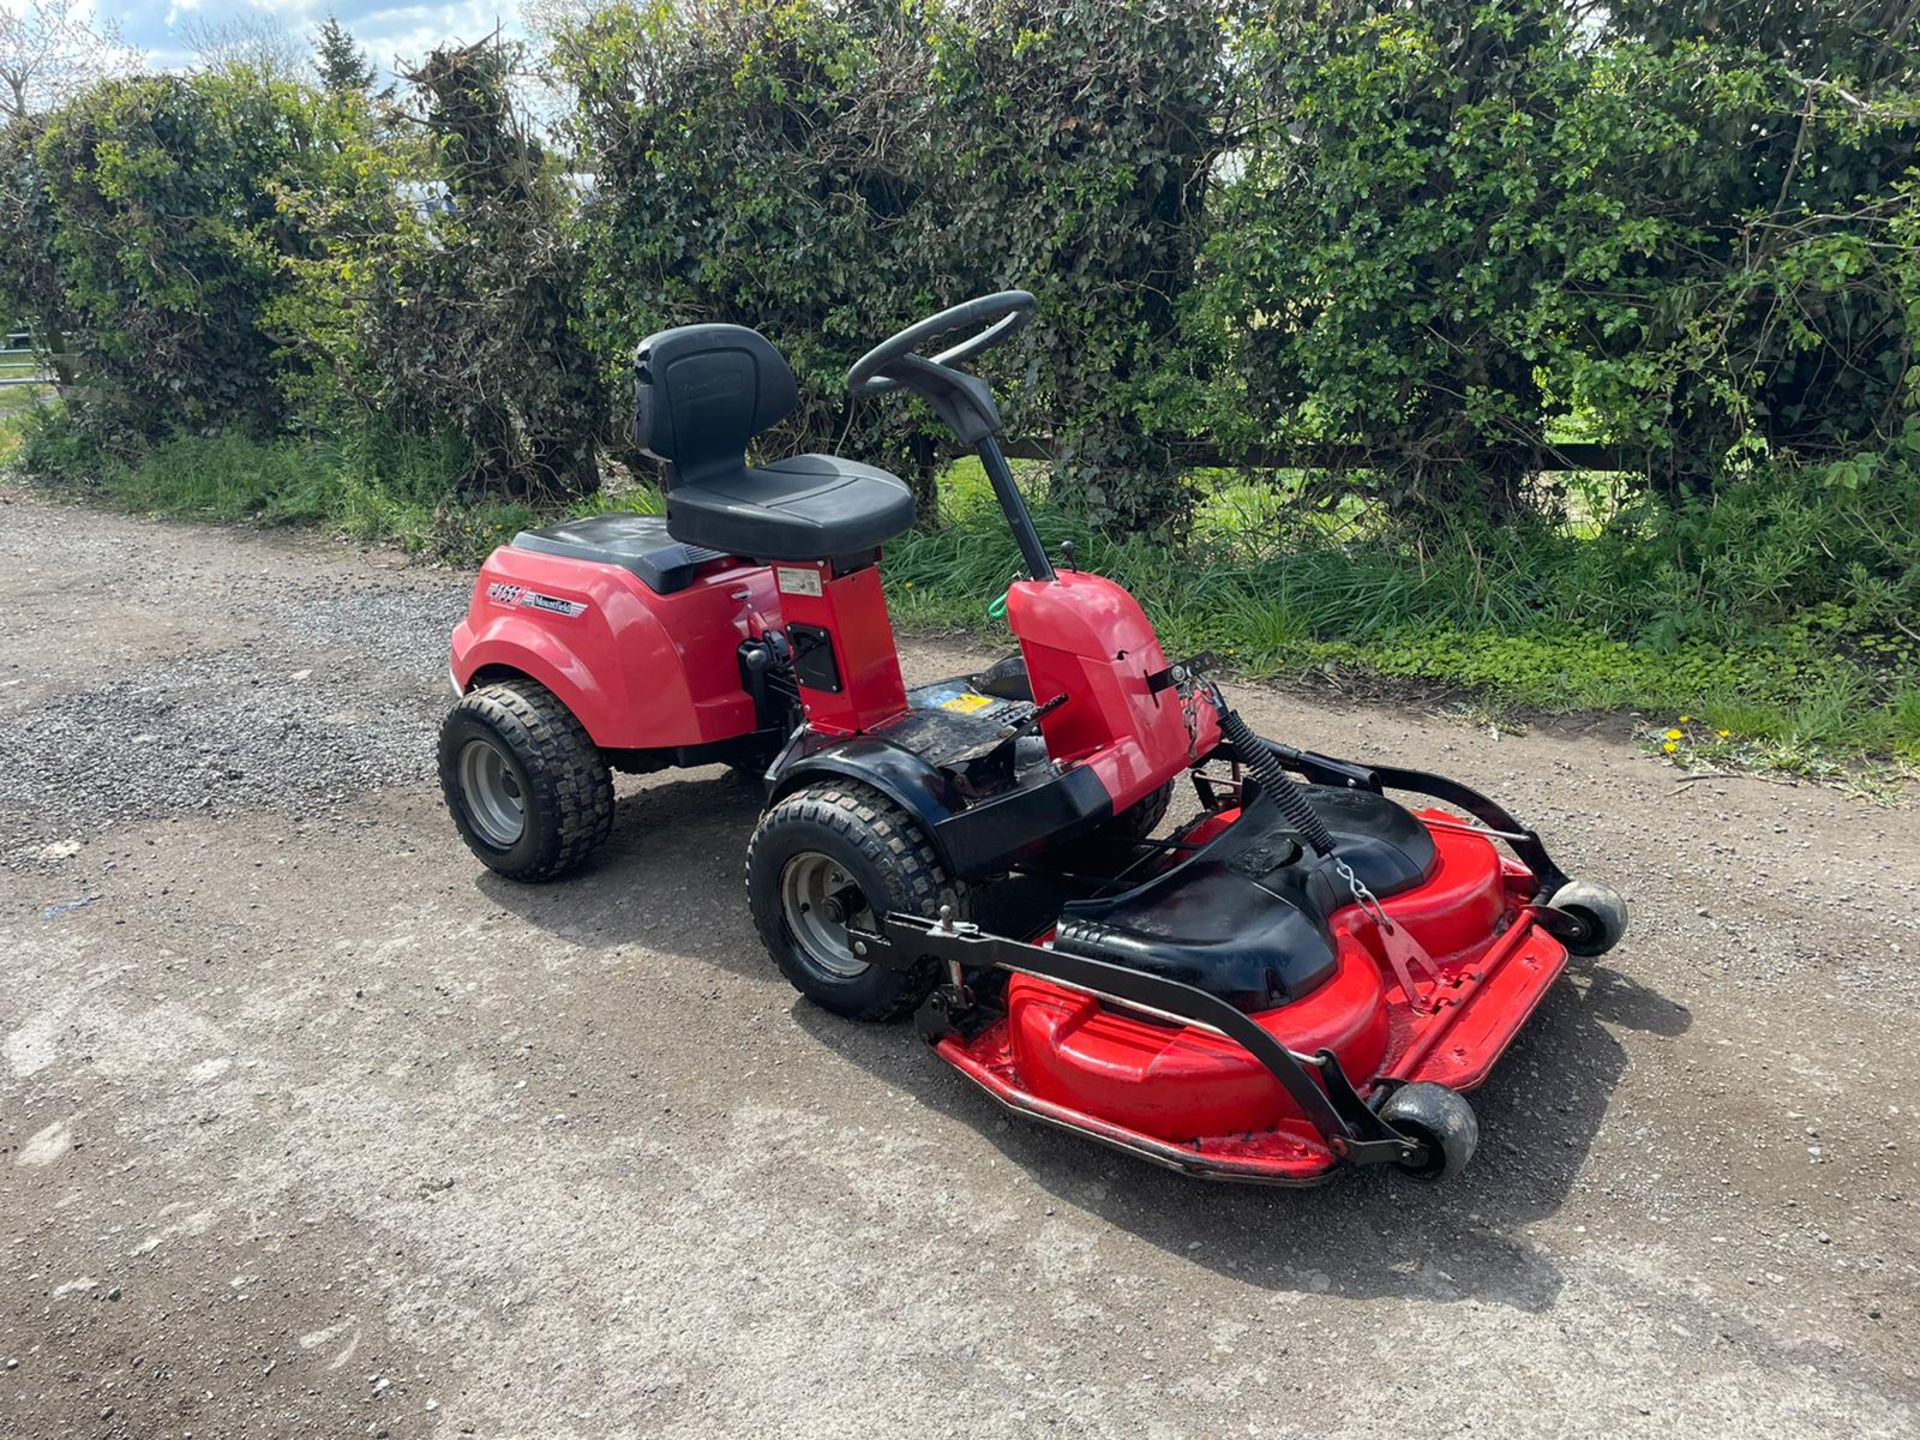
pixel 1362 896
pixel 1403 952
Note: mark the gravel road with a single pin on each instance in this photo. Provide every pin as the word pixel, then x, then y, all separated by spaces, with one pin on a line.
pixel 311 1127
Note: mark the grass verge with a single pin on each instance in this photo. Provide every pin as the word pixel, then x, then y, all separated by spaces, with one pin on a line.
pixel 1735 617
pixel 1810 673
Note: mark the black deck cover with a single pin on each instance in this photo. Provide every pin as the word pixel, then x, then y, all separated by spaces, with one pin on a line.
pixel 1245 917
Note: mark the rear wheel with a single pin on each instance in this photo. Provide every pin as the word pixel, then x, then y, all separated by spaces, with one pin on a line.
pixel 832 858
pixel 1109 845
pixel 1141 818
pixel 528 789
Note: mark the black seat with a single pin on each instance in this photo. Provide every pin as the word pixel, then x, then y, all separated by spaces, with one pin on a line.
pixel 701 392
pixel 638 544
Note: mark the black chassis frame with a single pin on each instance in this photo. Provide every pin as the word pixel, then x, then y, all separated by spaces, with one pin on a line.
pixel 974 839
pixel 1351 1128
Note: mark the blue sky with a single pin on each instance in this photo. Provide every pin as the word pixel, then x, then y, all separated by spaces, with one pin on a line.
pixel 386 30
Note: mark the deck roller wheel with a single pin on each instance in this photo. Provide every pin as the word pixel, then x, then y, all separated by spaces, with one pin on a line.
pixel 1441 1121
pixel 1601 912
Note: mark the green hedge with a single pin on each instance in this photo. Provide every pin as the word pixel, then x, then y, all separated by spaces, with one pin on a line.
pixel 143 240
pixel 1447 236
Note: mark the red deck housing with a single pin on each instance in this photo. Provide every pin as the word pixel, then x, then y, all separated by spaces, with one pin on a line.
pixel 1194 1099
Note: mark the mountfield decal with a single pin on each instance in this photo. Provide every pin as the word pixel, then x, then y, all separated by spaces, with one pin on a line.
pixel 522 598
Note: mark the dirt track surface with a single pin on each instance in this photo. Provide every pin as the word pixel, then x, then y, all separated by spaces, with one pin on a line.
pixel 310 1126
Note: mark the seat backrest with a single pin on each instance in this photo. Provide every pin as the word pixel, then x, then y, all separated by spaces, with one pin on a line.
pixel 701 392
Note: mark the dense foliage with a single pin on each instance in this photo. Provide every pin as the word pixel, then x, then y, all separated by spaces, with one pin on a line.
pixel 150 242
pixel 474 321
pixel 1466 231
pixel 1419 249
pixel 1439 239
pixel 766 166
pixel 830 173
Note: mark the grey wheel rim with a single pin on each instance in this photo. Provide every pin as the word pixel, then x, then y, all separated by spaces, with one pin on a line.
pixel 810 891
pixel 492 791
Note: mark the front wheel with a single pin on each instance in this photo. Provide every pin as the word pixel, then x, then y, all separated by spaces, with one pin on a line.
pixel 832 858
pixel 529 791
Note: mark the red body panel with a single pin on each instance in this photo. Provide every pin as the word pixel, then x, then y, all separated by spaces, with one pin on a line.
pixel 1189 1097
pixel 640 670
pixel 853 610
pixel 648 671
pixel 1085 637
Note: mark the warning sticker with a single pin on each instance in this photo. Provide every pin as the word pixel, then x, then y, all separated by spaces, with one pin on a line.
pixel 966 702
pixel 795 581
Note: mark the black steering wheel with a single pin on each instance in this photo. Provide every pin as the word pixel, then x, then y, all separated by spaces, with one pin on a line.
pixel 1004 315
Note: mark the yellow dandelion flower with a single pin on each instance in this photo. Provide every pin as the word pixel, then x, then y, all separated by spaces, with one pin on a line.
pixel 1673 735
pixel 1686 719
pixel 1669 747
pixel 1723 734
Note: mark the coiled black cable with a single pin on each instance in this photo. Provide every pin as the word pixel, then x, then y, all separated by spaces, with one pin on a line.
pixel 1287 793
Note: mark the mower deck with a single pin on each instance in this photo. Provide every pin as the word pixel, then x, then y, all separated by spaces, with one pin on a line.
pixel 1455 1046
pixel 1190 1097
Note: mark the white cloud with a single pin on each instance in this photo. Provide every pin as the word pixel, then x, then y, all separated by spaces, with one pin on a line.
pixel 393 36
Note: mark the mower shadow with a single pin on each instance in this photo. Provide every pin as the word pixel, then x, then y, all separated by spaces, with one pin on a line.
pixel 1362 1234
pixel 674 853
pixel 674 857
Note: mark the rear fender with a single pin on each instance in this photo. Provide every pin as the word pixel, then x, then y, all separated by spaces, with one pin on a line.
pixel 972 842
pixel 523 645
pixel 900 775
pixel 639 670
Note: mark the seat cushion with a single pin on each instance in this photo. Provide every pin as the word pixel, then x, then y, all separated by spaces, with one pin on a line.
pixel 806 507
pixel 636 543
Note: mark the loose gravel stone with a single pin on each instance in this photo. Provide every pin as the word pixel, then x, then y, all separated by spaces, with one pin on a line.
pixel 334 1104
pixel 232 727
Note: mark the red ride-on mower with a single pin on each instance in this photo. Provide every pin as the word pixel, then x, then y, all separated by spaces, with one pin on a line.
pixel 1303 975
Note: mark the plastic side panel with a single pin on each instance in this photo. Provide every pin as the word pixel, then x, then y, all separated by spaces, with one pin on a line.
pixel 640 670
pixel 852 609
pixel 1087 638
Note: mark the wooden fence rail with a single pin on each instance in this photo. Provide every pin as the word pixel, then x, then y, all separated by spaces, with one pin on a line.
pixel 18 354
pixel 1550 459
